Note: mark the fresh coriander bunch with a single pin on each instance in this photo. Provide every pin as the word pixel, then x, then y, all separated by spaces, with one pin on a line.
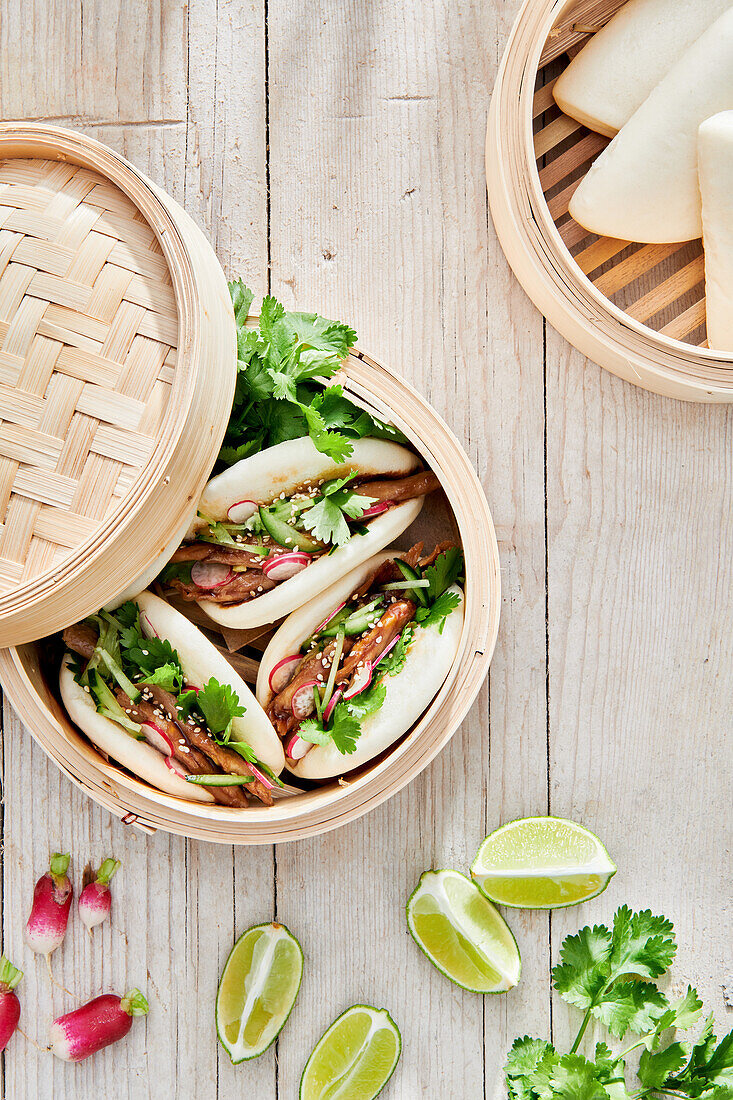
pixel 606 973
pixel 283 366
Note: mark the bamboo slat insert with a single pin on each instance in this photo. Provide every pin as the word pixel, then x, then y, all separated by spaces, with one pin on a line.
pixel 563 148
pixel 87 320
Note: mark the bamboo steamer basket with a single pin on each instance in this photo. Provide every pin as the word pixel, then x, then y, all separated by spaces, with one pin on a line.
pixel 117 369
pixel 341 801
pixel 637 310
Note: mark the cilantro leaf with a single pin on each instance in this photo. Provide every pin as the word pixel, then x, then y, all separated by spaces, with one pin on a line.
pixel 445 571
pixel 343 732
pixel 526 1055
pixel 642 943
pixel 394 662
pixel 575 1078
pixel 582 974
pixel 219 704
pixel 630 1006
pixel 149 654
pixel 168 676
pixel 438 612
pixel 244 749
pixel 327 518
pixel 367 702
pixel 242 298
pixel 681 1014
pixel 654 1069
pixel 277 396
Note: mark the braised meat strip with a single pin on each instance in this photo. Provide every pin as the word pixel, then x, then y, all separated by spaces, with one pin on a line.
pixel 401 488
pixel 193 761
pixel 192 746
pixel 241 587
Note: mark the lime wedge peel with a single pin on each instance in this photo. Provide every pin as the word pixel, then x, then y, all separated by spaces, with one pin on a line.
pixel 542 863
pixel 257 990
pixel 462 933
pixel 354 1058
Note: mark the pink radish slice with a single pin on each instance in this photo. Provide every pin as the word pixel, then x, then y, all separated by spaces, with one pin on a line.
pixel 387 649
pixel 376 509
pixel 327 620
pixel 95 1025
pixel 361 680
pixel 331 704
pixel 155 736
pixel 242 511
pixel 302 704
pixel 210 574
pixel 296 747
pixel 283 672
pixel 264 779
pixel 175 768
pixel 282 567
pixel 149 628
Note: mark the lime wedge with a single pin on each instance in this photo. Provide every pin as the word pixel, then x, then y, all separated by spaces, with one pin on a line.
pixel 355 1058
pixel 542 863
pixel 257 990
pixel 462 933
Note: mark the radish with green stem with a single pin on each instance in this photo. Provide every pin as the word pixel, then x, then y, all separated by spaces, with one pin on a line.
pixel 95 900
pixel 49 917
pixel 9 1003
pixel 95 1025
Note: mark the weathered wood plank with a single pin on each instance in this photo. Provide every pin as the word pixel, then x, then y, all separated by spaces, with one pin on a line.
pixel 640 619
pixel 379 216
pixel 178 905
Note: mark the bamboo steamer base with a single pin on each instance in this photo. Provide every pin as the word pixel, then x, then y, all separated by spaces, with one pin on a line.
pixel 338 802
pixel 636 309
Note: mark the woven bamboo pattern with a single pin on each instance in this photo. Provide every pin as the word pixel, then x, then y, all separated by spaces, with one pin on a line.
pixel 88 338
pixel 622 270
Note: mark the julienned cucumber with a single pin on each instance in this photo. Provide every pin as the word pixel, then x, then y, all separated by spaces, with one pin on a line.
pixel 411 574
pixel 287 536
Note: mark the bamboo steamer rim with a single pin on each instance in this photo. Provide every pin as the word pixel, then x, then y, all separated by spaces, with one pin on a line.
pixel 81 583
pixel 539 256
pixel 330 807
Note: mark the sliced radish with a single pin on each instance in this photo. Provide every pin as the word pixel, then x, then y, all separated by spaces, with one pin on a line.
pixel 296 747
pixel 264 779
pixel 281 567
pixel 387 649
pixel 361 680
pixel 149 628
pixel 242 511
pixel 155 736
pixel 283 672
pixel 327 620
pixel 376 509
pixel 170 762
pixel 331 704
pixel 210 574
pixel 303 703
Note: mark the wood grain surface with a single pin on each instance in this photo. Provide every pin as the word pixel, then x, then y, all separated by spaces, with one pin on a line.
pixel 334 154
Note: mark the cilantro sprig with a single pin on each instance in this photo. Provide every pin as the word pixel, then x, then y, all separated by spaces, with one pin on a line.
pixel 280 392
pixel 609 973
pixel 328 519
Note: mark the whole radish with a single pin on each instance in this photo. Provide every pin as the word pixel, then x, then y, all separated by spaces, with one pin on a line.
pixel 95 900
pixel 9 1003
pixel 95 1025
pixel 52 896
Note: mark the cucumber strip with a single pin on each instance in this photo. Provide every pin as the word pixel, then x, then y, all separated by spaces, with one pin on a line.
pixel 411 574
pixel 286 535
pixel 108 705
pixel 220 780
pixel 395 586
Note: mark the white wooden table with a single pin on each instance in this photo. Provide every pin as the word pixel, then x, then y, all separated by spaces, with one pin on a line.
pixel 334 152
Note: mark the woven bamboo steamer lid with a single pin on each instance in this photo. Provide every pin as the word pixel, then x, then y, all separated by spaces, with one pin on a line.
pixel 117 368
pixel 637 310
pixel 336 803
